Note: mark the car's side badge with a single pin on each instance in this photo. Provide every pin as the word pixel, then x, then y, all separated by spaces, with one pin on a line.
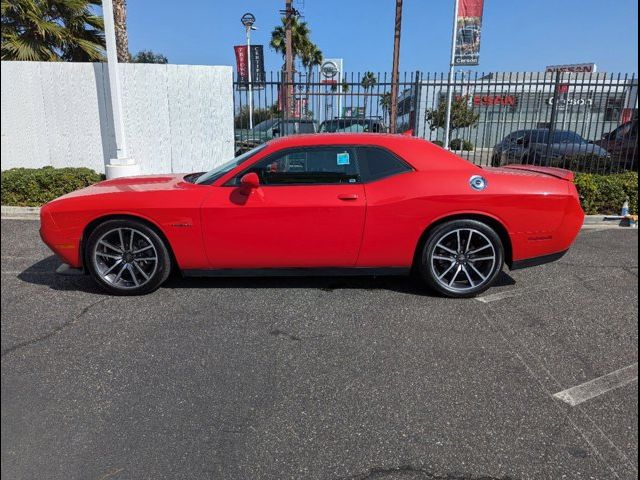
pixel 478 183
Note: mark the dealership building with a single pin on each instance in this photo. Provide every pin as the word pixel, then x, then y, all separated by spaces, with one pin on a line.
pixel 589 104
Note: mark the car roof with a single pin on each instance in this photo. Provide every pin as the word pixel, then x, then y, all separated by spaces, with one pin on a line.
pixel 423 155
pixel 342 139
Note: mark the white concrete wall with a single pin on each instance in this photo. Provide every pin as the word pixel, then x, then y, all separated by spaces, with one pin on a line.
pixel 178 118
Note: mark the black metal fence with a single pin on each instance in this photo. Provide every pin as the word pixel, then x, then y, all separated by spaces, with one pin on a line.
pixel 579 121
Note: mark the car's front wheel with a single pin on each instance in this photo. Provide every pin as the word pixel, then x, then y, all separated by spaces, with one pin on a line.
pixel 126 257
pixel 462 258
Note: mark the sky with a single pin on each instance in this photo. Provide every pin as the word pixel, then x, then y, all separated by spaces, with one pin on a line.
pixel 518 35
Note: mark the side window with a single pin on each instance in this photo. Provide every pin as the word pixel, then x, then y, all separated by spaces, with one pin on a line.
pixel 513 137
pixel 320 165
pixel 376 163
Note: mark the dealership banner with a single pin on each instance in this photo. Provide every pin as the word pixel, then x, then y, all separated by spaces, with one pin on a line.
pixel 468 28
pixel 257 67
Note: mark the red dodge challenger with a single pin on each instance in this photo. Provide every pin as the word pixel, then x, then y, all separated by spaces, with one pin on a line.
pixel 333 204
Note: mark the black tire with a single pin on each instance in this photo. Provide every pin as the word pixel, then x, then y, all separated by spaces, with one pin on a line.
pixel 138 272
pixel 496 161
pixel 471 273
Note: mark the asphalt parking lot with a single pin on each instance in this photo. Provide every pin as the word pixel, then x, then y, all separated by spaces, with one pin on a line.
pixel 322 378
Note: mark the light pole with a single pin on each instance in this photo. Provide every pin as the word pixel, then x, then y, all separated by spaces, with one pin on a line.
pixel 454 38
pixel 248 19
pixel 122 165
pixel 394 75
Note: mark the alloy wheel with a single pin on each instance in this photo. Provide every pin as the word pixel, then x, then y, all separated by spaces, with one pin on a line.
pixel 125 258
pixel 463 260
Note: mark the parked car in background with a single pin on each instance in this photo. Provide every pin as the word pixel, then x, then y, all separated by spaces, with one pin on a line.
pixel 274 127
pixel 622 144
pixel 333 204
pixel 353 125
pixel 535 147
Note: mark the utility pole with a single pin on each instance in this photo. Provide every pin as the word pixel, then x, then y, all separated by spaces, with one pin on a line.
pixel 122 165
pixel 454 38
pixel 393 126
pixel 288 67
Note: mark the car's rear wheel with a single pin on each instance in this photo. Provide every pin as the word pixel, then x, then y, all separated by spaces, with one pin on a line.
pixel 126 257
pixel 462 258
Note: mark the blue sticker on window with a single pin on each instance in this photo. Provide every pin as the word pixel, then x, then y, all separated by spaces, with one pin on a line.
pixel 343 158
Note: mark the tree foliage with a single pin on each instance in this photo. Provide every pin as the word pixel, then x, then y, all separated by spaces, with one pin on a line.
pixel 300 37
pixel 462 114
pixel 368 81
pixel 52 30
pixel 147 56
pixel 385 103
pixel 241 119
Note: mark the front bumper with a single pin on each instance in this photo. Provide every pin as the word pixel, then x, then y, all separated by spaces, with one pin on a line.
pixel 64 243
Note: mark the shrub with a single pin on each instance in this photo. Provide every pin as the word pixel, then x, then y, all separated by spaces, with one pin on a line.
pixel 457 144
pixel 585 162
pixel 32 187
pixel 605 194
pixel 439 143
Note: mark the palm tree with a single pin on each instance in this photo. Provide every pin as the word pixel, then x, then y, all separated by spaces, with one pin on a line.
pixel 311 56
pixel 51 30
pixel 367 82
pixel 120 24
pixel 85 30
pixel 385 103
pixel 299 37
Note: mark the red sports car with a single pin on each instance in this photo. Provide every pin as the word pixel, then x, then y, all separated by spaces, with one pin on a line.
pixel 333 204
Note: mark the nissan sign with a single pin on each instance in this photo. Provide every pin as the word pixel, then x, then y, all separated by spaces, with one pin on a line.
pixel 331 70
pixel 572 68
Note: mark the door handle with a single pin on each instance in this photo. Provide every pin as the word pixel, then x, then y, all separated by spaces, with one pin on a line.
pixel 348 196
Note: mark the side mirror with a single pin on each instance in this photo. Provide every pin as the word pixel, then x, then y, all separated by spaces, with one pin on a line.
pixel 520 141
pixel 250 181
pixel 275 132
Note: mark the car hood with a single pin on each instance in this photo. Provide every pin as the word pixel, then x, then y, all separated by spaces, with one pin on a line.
pixel 147 183
pixel 574 149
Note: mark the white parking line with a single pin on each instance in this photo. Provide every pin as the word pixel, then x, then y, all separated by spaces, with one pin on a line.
pixel 494 297
pixel 593 388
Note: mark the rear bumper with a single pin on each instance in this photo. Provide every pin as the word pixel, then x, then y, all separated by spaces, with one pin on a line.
pixel 535 261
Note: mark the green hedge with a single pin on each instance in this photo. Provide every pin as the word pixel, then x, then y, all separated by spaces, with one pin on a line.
pixel 456 144
pixel 605 194
pixel 32 187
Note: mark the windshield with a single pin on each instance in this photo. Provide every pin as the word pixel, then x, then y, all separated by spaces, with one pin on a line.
pixel 213 175
pixel 266 125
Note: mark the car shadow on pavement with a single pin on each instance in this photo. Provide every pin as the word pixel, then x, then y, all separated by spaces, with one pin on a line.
pixel 43 273
pixel 401 284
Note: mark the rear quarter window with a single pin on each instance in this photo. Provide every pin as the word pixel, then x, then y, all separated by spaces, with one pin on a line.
pixel 377 163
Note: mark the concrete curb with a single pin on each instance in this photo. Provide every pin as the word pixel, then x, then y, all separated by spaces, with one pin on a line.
pixel 20 213
pixel 33 213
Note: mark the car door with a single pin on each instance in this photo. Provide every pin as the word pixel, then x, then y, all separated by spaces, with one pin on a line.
pixel 308 211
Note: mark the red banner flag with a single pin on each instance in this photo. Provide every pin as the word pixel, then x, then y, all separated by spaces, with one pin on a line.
pixel 468 26
pixel 242 64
